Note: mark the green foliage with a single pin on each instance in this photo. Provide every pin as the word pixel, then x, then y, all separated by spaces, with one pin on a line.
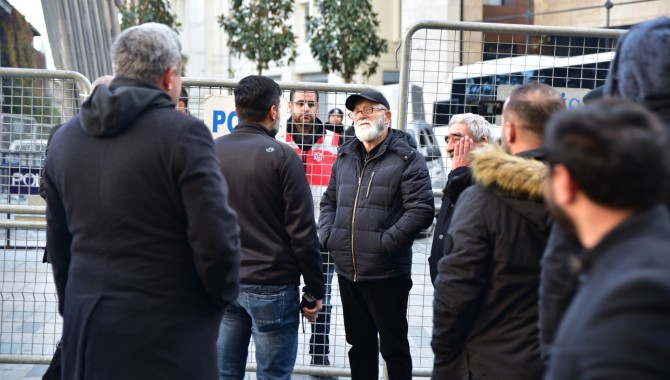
pixel 344 37
pixel 16 40
pixel 256 30
pixel 136 12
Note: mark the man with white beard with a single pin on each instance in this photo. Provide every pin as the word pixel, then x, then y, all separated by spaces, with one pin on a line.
pixel 378 199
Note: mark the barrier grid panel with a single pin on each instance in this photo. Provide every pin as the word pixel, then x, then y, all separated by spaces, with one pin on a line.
pixel 33 101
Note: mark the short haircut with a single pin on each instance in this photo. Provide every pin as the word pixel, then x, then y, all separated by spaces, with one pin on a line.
pixel 336 111
pixel 532 104
pixel 614 149
pixel 294 91
pixel 477 126
pixel 254 96
pixel 145 52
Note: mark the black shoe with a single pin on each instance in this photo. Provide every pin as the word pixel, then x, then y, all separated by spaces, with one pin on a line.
pixel 319 360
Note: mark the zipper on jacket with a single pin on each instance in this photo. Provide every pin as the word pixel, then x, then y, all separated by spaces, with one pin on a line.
pixel 353 214
pixel 367 192
pixel 353 222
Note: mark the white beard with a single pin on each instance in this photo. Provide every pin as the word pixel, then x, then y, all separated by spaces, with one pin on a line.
pixel 372 132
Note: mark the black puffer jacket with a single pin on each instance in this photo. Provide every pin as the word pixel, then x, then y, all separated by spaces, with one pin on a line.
pixel 374 208
pixel 458 180
pixel 486 291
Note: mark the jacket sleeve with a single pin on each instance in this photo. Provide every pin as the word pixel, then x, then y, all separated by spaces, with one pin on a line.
pixel 461 281
pixel 557 284
pixel 328 205
pixel 59 238
pixel 418 205
pixel 213 232
pixel 300 225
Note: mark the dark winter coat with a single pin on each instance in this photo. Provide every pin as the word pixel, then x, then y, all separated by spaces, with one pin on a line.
pixel 143 244
pixel 458 180
pixel 640 72
pixel 617 326
pixel 374 207
pixel 275 209
pixel 486 291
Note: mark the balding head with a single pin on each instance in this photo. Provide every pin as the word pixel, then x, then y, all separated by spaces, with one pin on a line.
pixel 525 114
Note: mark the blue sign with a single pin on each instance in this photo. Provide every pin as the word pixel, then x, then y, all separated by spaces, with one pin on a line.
pixel 24 180
pixel 219 119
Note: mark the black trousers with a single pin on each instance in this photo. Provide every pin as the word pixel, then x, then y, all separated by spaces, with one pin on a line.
pixel 371 308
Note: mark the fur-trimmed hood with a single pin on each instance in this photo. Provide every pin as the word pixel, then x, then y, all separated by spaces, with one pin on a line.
pixel 517 180
pixel 521 175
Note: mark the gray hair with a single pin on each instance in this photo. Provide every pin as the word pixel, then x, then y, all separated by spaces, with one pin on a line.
pixel 477 126
pixel 145 52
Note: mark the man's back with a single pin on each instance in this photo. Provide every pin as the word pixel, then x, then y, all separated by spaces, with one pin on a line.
pixel 274 205
pixel 140 237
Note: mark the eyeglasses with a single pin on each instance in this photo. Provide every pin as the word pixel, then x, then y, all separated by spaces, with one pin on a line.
pixel 367 111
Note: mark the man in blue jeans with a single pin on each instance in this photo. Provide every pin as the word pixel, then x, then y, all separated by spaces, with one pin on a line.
pixel 273 201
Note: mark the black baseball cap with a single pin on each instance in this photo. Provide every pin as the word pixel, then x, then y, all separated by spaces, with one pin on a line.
pixel 373 95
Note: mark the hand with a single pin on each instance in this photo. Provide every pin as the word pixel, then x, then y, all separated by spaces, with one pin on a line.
pixel 461 152
pixel 311 314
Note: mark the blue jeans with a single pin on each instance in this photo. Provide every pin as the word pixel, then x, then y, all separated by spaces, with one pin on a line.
pixel 269 313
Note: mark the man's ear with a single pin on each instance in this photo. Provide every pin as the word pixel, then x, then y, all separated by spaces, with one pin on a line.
pixel 510 136
pixel 166 79
pixel 273 113
pixel 387 118
pixel 563 185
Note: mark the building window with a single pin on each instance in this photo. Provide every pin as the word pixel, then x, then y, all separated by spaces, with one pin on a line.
pixel 494 2
pixel 391 77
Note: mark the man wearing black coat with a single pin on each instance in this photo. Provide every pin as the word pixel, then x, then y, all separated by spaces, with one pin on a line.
pixel 607 167
pixel 378 199
pixel 466 132
pixel 278 233
pixel 143 244
pixel 486 291
pixel 640 72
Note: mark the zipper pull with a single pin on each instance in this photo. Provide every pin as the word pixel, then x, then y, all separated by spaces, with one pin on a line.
pixel 367 192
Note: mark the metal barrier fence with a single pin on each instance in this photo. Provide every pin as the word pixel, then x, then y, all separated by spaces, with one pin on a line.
pixel 441 75
pixel 32 102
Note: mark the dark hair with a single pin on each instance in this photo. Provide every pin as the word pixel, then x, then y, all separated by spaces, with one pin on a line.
pixel 184 96
pixel 254 96
pixel 294 91
pixel 335 111
pixel 614 149
pixel 532 104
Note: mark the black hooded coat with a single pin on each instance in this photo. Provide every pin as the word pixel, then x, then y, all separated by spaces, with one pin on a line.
pixel 640 72
pixel 486 290
pixel 143 244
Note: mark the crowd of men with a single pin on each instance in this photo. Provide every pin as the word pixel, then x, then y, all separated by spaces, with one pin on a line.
pixel 550 258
